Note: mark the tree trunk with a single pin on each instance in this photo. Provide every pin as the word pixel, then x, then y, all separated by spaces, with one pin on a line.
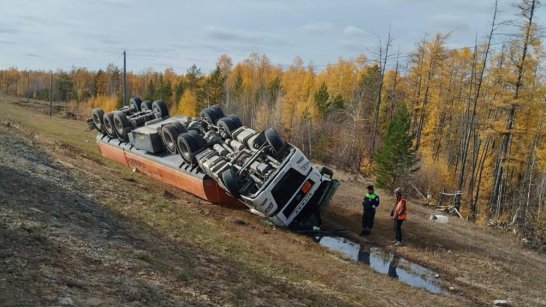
pixel 472 122
pixel 497 183
pixel 382 67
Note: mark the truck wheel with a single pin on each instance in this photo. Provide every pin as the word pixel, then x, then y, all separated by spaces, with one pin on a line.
pixel 229 125
pixel 169 134
pixel 135 103
pixel 122 126
pixel 108 120
pixel 219 113
pixel 98 119
pixel 231 181
pixel 326 171
pixel 236 119
pixel 189 145
pixel 180 127
pixel 274 139
pixel 210 115
pixel 146 105
pixel 159 107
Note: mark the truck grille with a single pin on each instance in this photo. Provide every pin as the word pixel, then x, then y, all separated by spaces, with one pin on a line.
pixel 293 204
pixel 287 187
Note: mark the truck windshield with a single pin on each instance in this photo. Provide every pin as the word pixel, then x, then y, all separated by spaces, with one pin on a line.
pixel 287 187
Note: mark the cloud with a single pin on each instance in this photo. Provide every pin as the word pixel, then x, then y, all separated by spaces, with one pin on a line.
pixel 415 1
pixel 352 46
pixel 115 3
pixel 357 39
pixel 107 39
pixel 7 42
pixel 33 55
pixel 355 31
pixel 242 37
pixel 450 22
pixel 7 29
pixel 363 46
pixel 320 27
pixel 35 20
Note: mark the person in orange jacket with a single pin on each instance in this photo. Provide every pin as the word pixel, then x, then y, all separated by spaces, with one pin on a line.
pixel 399 215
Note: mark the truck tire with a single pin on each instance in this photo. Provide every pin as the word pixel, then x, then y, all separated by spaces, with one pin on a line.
pixel 210 115
pixel 236 119
pixel 146 105
pixel 109 127
pixel 231 181
pixel 326 171
pixel 98 119
pixel 189 145
pixel 159 107
pixel 180 127
pixel 229 125
pixel 199 140
pixel 122 126
pixel 274 139
pixel 169 135
pixel 135 103
pixel 219 113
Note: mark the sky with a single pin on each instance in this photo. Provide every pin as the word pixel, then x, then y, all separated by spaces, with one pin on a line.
pixel 60 34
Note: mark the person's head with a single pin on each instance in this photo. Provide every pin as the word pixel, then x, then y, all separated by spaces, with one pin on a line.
pixel 398 192
pixel 370 189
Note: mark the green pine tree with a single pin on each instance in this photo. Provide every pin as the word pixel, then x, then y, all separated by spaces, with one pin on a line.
pixel 179 90
pixel 322 99
pixel 394 159
pixel 337 103
pixel 151 91
pixel 214 86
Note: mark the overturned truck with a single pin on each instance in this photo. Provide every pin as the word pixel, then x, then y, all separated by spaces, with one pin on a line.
pixel 217 158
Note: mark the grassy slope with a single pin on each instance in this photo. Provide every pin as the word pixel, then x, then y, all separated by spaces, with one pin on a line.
pixel 292 264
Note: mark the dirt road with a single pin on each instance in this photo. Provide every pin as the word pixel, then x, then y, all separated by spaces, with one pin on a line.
pixel 78 229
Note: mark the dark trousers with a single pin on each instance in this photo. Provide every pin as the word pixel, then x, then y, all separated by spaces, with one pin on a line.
pixel 368 217
pixel 398 229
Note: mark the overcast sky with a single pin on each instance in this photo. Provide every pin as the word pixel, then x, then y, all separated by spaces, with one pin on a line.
pixel 59 34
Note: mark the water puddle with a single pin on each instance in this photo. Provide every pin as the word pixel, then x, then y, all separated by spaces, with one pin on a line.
pixel 385 262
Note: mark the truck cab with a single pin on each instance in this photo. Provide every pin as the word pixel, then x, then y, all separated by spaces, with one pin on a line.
pixel 273 178
pixel 295 186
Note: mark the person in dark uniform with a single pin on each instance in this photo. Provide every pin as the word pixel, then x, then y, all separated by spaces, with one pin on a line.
pixel 370 203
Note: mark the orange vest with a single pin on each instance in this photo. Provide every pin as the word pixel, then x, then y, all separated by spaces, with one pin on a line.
pixel 400 211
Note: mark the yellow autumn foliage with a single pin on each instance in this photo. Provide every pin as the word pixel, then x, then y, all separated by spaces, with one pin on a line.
pixel 107 103
pixel 187 104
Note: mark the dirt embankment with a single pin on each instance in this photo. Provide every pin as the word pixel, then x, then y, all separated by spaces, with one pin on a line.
pixel 60 245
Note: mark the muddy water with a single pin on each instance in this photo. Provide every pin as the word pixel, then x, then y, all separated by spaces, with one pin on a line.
pixel 385 262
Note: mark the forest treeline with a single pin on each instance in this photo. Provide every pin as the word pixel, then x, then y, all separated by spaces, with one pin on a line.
pixel 478 114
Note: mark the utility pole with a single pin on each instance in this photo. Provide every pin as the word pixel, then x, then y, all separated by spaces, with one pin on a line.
pixel 50 92
pixel 28 86
pixel 124 78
